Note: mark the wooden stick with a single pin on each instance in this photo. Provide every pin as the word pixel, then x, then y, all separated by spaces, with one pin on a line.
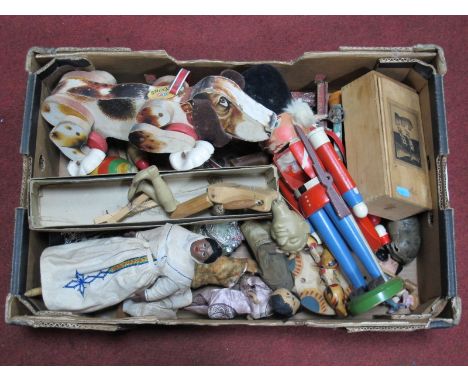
pixel 140 203
pixel 192 206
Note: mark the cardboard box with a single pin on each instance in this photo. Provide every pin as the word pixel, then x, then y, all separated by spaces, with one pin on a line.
pixel 386 152
pixel 421 67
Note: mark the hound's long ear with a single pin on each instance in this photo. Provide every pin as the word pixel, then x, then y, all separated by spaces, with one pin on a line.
pixel 266 85
pixel 206 123
pixel 234 76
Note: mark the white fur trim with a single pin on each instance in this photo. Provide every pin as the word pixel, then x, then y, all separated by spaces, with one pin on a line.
pixel 301 113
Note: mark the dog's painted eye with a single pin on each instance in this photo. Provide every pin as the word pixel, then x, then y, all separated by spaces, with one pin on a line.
pixel 223 102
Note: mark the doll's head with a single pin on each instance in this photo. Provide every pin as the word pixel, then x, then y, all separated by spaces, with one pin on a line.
pixel 284 303
pixel 205 250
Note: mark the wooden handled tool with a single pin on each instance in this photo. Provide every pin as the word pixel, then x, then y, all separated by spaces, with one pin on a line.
pixel 230 196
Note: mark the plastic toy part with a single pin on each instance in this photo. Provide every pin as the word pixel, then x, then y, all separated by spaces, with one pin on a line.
pixel 195 157
pixel 89 163
pixel 369 300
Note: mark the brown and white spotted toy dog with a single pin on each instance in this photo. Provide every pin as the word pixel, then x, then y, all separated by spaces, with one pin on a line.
pixel 85 101
pixel 215 110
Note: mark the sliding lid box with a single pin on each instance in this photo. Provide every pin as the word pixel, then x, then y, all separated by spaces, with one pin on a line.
pixel 420 67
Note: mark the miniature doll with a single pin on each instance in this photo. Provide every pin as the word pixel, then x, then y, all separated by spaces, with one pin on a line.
pixel 152 266
pixel 249 296
pixel 284 303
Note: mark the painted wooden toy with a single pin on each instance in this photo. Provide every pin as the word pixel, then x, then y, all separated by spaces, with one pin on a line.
pixel 147 190
pixel 93 100
pixel 284 303
pixel 308 284
pixel 338 290
pixel 255 106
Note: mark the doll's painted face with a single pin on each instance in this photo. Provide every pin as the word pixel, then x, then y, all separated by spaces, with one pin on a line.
pixel 201 250
pixel 284 302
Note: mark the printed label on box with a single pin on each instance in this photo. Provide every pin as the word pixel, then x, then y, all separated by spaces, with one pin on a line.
pixel 405 134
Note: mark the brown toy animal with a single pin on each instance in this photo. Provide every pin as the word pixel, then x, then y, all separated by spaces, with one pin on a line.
pixel 225 271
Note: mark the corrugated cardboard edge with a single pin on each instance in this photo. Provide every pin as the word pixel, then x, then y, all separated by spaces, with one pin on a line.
pixel 26 175
pixel 46 319
pixel 37 322
pixel 454 308
pixel 437 51
pixel 440 63
pixel 399 51
pixel 30 66
pixel 20 252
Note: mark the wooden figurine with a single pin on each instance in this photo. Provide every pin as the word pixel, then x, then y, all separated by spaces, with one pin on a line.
pixel 284 302
pixel 230 196
pixel 308 284
pixel 338 290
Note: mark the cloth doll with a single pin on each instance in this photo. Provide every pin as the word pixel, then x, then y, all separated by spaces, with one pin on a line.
pixel 152 266
pixel 250 296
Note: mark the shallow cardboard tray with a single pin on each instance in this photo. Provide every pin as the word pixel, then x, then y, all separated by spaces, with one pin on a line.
pixel 73 203
pixel 422 67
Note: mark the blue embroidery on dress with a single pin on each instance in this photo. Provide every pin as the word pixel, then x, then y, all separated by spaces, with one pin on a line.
pixel 81 280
